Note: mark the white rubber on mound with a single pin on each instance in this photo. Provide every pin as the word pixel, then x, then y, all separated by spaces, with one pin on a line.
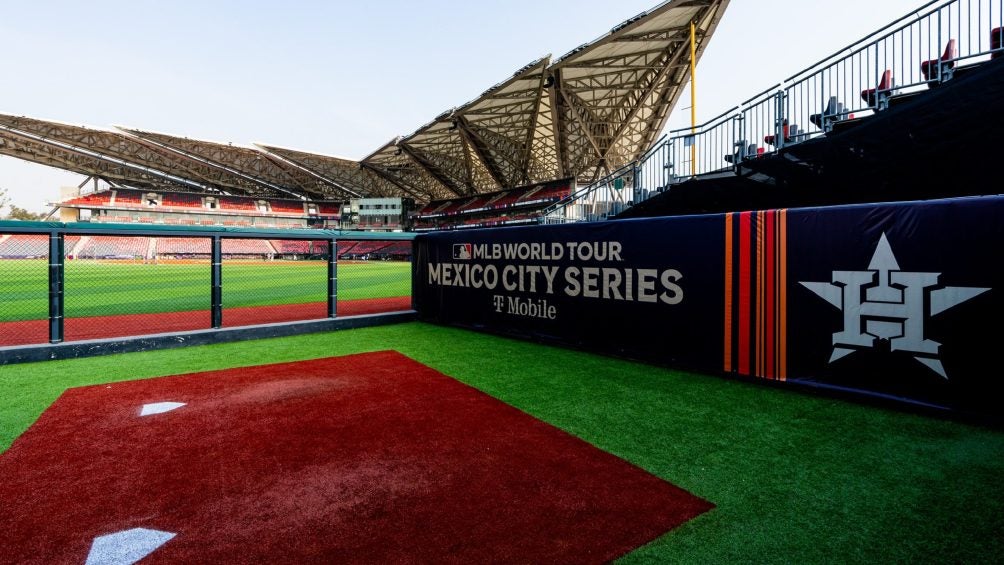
pixel 126 547
pixel 159 408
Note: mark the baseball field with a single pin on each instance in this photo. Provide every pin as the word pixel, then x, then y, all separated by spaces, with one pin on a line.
pixel 787 477
pixel 105 298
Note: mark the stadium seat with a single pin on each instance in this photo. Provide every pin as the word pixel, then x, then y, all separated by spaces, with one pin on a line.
pixel 109 247
pixel 790 133
pixel 996 41
pixel 743 150
pixel 95 199
pixel 287 207
pixel 940 70
pixel 878 97
pixel 26 246
pixel 834 112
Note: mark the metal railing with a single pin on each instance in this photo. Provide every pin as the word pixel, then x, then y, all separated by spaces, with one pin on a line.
pixel 917 52
pixel 72 282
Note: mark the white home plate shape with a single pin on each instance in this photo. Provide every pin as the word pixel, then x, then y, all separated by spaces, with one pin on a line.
pixel 159 408
pixel 126 547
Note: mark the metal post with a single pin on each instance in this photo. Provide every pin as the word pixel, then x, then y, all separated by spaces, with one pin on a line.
pixel 693 100
pixel 637 182
pixel 56 261
pixel 740 125
pixel 217 283
pixel 779 121
pixel 937 49
pixel 878 77
pixel 332 278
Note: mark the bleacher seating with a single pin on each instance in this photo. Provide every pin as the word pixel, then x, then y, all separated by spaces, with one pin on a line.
pixel 181 200
pixel 234 203
pixel 345 247
pixel 365 248
pixel 398 250
pixel 287 207
pixel 184 246
pixel 329 209
pixel 507 199
pixel 474 203
pixel 108 247
pixel 292 246
pixel 430 208
pixel 554 192
pixel 22 246
pixel 96 199
pixel 489 209
pixel 300 246
pixel 245 247
pixel 127 198
pixel 455 205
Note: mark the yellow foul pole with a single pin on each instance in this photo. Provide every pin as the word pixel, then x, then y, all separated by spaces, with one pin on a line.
pixel 693 100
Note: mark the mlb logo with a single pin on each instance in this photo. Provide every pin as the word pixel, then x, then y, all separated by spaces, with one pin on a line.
pixel 461 250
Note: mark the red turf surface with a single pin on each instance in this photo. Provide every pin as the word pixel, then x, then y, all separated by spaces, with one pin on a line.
pixel 98 327
pixel 365 458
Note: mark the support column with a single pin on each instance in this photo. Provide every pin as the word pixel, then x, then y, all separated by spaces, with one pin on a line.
pixel 217 283
pixel 332 278
pixel 56 263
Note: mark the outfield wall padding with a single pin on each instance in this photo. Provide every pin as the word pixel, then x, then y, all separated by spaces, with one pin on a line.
pixel 896 301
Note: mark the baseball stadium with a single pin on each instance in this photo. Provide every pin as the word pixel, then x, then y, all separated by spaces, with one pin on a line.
pixel 545 327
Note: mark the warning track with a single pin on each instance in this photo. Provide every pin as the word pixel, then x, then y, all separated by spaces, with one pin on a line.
pixel 99 327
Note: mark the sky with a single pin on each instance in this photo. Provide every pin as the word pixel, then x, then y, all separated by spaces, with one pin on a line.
pixel 343 78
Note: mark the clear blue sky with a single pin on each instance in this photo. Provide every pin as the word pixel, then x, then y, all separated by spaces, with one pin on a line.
pixel 344 78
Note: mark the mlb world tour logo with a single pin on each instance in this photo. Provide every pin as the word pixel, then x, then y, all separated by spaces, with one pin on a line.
pixel 526 274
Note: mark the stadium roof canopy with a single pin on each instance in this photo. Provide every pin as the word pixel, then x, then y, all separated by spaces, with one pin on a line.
pixel 597 108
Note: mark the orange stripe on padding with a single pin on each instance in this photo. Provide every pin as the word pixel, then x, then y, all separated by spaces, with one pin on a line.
pixel 728 292
pixel 759 295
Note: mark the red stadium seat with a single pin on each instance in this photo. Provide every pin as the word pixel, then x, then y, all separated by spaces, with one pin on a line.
pixel 790 133
pixel 996 41
pixel 941 69
pixel 878 97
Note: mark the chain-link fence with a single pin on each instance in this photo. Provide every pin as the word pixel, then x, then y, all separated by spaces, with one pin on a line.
pixel 374 276
pixel 24 271
pixel 120 286
pixel 116 283
pixel 274 280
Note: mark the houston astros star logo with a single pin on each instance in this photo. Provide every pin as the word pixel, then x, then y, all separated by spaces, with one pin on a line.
pixel 886 302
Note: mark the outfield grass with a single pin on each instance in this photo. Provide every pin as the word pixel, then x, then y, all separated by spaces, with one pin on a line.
pixel 101 288
pixel 796 478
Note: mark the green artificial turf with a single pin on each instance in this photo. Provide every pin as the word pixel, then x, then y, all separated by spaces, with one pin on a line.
pixel 102 288
pixel 796 478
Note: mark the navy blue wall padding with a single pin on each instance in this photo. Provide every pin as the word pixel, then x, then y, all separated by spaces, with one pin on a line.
pixel 896 300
